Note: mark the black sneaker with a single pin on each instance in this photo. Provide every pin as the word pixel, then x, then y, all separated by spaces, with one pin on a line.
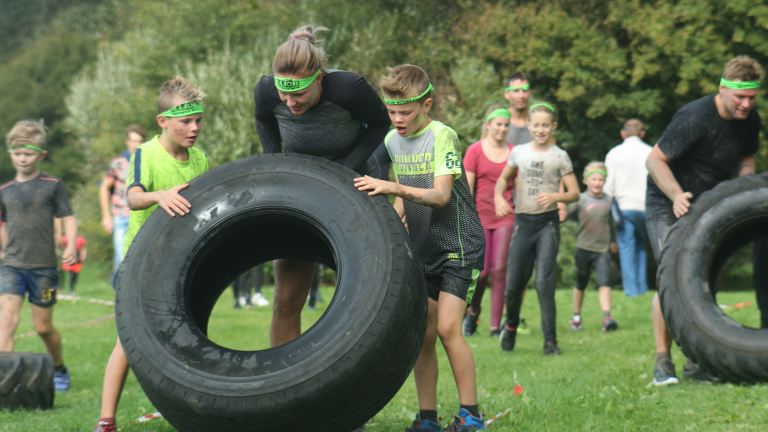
pixel 695 373
pixel 551 349
pixel 610 324
pixel 507 338
pixel 664 374
pixel 470 323
pixel 495 333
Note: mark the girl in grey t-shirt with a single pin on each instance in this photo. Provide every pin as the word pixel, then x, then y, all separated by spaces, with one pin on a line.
pixel 539 166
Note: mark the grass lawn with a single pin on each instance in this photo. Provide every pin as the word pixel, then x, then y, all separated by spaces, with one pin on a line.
pixel 600 383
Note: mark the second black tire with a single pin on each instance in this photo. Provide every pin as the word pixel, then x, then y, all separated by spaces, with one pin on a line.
pixel 336 375
pixel 721 221
pixel 26 381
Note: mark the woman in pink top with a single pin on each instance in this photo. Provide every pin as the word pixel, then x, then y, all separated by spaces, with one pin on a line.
pixel 483 163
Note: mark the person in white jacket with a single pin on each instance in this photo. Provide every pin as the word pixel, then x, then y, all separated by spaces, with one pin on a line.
pixel 627 183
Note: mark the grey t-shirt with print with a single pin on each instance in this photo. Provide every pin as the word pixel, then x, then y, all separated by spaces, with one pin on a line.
pixel 597 228
pixel 449 236
pixel 537 173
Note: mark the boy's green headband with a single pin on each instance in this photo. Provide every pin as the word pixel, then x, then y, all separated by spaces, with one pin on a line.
pixel 739 85
pixel 27 146
pixel 522 87
pixel 541 104
pixel 409 100
pixel 185 109
pixel 501 112
pixel 292 85
pixel 598 171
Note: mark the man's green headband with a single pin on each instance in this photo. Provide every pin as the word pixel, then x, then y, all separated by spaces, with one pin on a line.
pixel 523 87
pixel 28 146
pixel 501 112
pixel 406 101
pixel 598 171
pixel 185 109
pixel 739 85
pixel 541 104
pixel 292 85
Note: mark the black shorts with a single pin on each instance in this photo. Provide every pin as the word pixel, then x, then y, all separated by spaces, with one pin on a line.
pixel 39 284
pixel 585 260
pixel 460 282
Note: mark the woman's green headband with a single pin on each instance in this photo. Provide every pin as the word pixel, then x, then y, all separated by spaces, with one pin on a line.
pixel 541 104
pixel 597 171
pixel 27 146
pixel 739 85
pixel 501 112
pixel 185 109
pixel 409 100
pixel 292 85
pixel 522 87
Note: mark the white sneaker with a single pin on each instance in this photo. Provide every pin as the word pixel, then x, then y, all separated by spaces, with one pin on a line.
pixel 259 300
pixel 241 300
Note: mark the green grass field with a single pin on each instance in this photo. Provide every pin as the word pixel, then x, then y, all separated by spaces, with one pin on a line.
pixel 600 383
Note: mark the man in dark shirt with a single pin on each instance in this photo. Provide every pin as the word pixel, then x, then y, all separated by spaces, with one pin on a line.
pixel 707 141
pixel 29 204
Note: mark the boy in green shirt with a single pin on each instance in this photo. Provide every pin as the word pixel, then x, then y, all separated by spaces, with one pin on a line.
pixel 158 170
pixel 433 195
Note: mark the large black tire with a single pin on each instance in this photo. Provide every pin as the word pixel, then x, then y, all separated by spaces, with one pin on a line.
pixel 720 222
pixel 336 375
pixel 26 380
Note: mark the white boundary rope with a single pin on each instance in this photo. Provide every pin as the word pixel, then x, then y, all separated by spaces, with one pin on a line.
pixel 85 324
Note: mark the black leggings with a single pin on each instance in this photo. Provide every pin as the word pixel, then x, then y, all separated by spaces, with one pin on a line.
pixel 536 239
pixel 72 280
pixel 315 285
pixel 242 285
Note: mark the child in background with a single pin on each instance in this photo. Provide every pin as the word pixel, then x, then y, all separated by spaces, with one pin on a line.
pixel 29 205
pixel 484 162
pixel 540 165
pixel 596 241
pixel 159 169
pixel 433 195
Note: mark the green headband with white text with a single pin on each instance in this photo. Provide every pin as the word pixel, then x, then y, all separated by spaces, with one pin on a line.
pixel 409 100
pixel 544 104
pixel 597 171
pixel 501 112
pixel 185 109
pixel 522 87
pixel 292 85
pixel 739 85
pixel 27 146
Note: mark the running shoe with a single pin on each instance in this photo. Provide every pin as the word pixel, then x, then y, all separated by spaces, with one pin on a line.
pixel 419 425
pixel 609 324
pixel 664 374
pixel 551 349
pixel 522 328
pixel 470 323
pixel 575 325
pixel 695 373
pixel 466 422
pixel 61 381
pixel 259 300
pixel 495 333
pixel 507 338
pixel 104 427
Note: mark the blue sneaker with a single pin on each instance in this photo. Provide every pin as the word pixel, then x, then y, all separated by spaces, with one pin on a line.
pixel 419 425
pixel 61 381
pixel 466 422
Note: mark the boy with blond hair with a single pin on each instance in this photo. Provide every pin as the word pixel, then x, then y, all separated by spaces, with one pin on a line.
pixel 159 169
pixel 434 197
pixel 594 244
pixel 29 205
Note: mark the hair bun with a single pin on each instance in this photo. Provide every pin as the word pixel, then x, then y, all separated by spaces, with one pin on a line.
pixel 307 33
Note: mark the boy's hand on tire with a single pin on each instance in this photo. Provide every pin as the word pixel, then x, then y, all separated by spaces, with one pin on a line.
pixel 171 201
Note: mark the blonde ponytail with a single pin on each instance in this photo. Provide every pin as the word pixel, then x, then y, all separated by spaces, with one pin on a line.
pixel 300 54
